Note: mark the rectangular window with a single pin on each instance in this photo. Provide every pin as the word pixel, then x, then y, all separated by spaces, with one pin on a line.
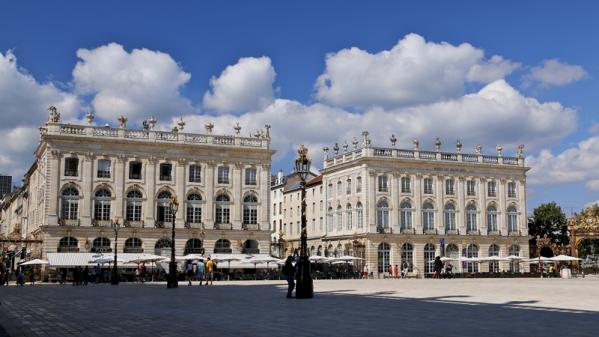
pixel 135 170
pixel 134 211
pixel 104 168
pixel 320 224
pixel 449 187
pixel 406 185
pixel 471 187
pixel 250 176
pixel 195 173
pixel 511 190
pixel 428 185
pixel 166 171
pixel 492 189
pixel 280 206
pixel 71 167
pixel 348 187
pixel 383 186
pixel 223 174
pixel 339 188
pixel 359 185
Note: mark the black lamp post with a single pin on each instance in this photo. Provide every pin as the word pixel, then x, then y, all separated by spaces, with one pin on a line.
pixel 114 279
pixel 305 287
pixel 172 281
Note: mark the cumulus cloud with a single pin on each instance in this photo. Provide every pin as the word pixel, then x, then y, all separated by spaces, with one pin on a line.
pixel 136 84
pixel 554 73
pixel 576 164
pixel 244 86
pixel 24 103
pixel 412 72
pixel 593 185
pixel 496 114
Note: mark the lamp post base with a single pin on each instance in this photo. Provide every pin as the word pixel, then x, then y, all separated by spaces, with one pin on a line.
pixel 304 287
pixel 114 279
pixel 172 281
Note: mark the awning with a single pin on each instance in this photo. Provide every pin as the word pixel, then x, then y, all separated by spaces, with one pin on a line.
pixel 69 260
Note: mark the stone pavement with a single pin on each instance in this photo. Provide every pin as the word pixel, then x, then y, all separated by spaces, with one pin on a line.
pixel 467 307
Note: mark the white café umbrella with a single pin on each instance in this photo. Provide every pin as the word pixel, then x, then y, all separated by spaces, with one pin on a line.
pixel 347 258
pixel 34 262
pixel 317 258
pixel 492 258
pixel 194 257
pixel 540 259
pixel 564 258
pixel 226 258
pixel 147 258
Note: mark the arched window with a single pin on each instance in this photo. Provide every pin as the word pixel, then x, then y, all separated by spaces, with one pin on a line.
pixel 348 187
pixel 428 216
pixel 382 214
pixel 512 219
pixel 429 258
pixel 163 207
pixel 101 245
pixel 472 252
pixel 102 205
pixel 133 245
pixel 471 218
pixel 330 219
pixel 493 264
pixel 405 215
pixel 383 258
pixel 134 200
pixel 222 246
pixel 312 250
pixel 450 217
pixel 223 212
pixel 452 251
pixel 250 210
pixel 348 216
pixel 194 208
pixel 319 251
pixel 193 246
pixel 251 247
pixel 359 215
pixel 163 247
pixel 70 203
pixel 339 218
pixel 407 255
pixel 492 219
pixel 514 265
pixel 68 244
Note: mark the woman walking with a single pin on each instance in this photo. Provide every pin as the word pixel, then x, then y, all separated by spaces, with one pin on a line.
pixel 289 272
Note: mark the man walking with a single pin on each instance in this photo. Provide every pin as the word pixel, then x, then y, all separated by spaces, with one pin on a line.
pixel 289 272
pixel 209 271
pixel 200 271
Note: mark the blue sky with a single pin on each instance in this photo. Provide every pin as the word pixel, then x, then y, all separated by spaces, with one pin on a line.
pixel 286 46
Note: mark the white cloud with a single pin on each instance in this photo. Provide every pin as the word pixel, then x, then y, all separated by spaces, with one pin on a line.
pixel 576 164
pixel 594 128
pixel 495 114
pixel 553 72
pixel 136 84
pixel 593 185
pixel 591 204
pixel 24 103
pixel 242 87
pixel 412 72
pixel 493 69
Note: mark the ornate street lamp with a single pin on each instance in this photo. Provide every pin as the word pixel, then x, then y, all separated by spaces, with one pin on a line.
pixel 114 279
pixel 304 278
pixel 172 281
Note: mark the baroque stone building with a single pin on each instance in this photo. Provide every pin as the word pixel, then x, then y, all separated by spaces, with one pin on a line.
pixel 389 205
pixel 87 178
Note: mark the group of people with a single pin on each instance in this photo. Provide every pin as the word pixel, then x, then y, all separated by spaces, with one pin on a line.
pixel 200 271
pixel 5 274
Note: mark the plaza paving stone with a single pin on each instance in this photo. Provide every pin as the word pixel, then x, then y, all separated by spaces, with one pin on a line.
pixel 466 307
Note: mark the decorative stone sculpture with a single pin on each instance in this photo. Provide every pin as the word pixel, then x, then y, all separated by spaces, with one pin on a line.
pixel 90 117
pixel 520 151
pixel 152 122
pixel 237 128
pixel 366 141
pixel 478 149
pixel 345 147
pixel 458 146
pixel 54 116
pixel 267 128
pixel 437 144
pixel 336 148
pixel 355 143
pixel 209 126
pixel 122 121
pixel 325 150
pixel 174 130
pixel 416 144
pixel 499 149
pixel 181 123
pixel 393 140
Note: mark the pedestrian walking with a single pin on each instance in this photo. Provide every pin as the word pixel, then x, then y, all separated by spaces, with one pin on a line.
pixel 85 275
pixel 289 272
pixel 209 271
pixel 396 271
pixel 200 271
pixel 437 266
pixel 20 277
pixel 404 269
pixel 3 272
pixel 365 271
pixel 189 271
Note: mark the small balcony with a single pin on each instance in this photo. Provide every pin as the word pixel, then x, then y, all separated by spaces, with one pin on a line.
pixel 494 232
pixel 250 227
pixel 430 231
pixel 407 231
pixel 452 231
pixel 384 230
pixel 223 226
pixel 189 224
pixel 472 232
pixel 159 224
pixel 134 224
pixel 68 222
pixel 101 223
pixel 514 233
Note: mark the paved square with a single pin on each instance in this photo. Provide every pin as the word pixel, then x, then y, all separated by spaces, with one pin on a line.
pixel 469 307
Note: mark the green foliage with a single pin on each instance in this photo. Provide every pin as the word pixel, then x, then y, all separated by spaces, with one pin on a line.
pixel 548 219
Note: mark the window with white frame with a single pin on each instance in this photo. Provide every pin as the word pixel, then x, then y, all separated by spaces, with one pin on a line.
pixel 102 204
pixel 223 211
pixel 449 187
pixel 511 189
pixel 195 173
pixel 383 183
pixel 348 215
pixel 164 212
pixel 194 208
pixel 491 188
pixel 382 214
pixel 135 168
pixel 512 219
pixel 428 216
pixel 71 167
pixel 103 168
pixel 330 219
pixel 339 218
pixel 471 225
pixel 70 204
pixel 166 172
pixel 428 185
pixel 406 185
pixel 514 265
pixel 405 215
pixel 470 187
pixel 250 176
pixel 250 210
pixel 450 217
pixel 134 201
pixel 492 219
pixel 359 215
pixel 223 174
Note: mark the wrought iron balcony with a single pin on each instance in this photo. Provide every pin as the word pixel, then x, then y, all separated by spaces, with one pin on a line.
pixel 189 224
pixel 250 227
pixel 69 222
pixel 134 224
pixel 223 226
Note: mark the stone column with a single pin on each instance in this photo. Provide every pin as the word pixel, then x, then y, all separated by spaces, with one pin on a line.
pixel 439 192
pixel 208 211
pixel 264 209
pixel 150 206
pixel 236 208
pixel 502 207
pixel 180 179
pixel 522 221
pixel 394 205
pixel 482 206
pixel 87 189
pixel 371 202
pixel 461 206
pixel 53 186
pixel 119 189
pixel 417 205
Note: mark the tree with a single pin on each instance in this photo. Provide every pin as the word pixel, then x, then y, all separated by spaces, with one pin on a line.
pixel 548 219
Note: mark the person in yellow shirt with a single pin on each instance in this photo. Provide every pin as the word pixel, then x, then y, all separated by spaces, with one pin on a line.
pixel 209 271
